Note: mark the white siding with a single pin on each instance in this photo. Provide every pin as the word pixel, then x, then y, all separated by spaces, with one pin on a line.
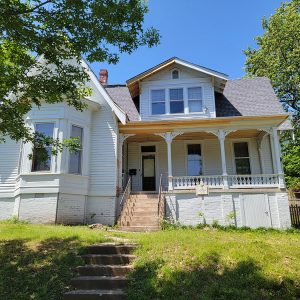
pixel 103 155
pixel 9 158
pixel 188 78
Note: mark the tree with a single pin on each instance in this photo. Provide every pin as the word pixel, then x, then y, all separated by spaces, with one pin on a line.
pixel 41 39
pixel 278 55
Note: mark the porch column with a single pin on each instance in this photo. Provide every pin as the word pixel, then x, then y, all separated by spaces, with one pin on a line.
pixel 122 138
pixel 259 141
pixel 168 137
pixel 221 137
pixel 276 145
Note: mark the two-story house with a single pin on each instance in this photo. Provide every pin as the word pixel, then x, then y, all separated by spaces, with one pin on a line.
pixel 177 139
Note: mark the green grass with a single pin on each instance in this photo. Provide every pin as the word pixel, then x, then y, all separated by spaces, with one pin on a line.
pixel 35 262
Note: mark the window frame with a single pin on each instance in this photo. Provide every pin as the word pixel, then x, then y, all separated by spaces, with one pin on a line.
pixel 167 101
pixel 188 100
pixel 151 102
pixel 234 158
pixel 194 142
pixel 175 69
pixel 32 148
pixel 81 150
pixel 170 101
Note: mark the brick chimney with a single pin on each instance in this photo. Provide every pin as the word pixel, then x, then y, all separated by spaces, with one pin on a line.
pixel 103 76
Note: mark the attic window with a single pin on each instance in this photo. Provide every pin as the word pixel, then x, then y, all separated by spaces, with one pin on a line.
pixel 175 74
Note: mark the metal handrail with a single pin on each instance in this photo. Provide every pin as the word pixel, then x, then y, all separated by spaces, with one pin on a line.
pixel 125 195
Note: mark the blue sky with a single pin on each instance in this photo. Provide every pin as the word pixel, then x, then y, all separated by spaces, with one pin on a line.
pixel 211 33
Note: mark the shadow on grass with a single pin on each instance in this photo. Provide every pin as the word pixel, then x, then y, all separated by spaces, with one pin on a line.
pixel 207 281
pixel 42 272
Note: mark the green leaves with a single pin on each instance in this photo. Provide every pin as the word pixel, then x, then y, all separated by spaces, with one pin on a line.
pixel 278 54
pixel 41 45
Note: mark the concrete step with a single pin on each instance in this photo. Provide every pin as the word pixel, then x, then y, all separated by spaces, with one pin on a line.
pixel 99 282
pixel 140 228
pixel 95 295
pixel 103 270
pixel 109 259
pixel 142 209
pixel 110 249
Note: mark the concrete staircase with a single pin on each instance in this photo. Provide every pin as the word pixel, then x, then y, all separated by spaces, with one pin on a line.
pixel 104 275
pixel 140 213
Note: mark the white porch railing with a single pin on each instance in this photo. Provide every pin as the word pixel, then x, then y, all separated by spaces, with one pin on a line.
pixel 229 181
pixel 188 182
pixel 245 181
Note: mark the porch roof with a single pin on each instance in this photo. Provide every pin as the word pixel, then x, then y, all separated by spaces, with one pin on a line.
pixel 194 125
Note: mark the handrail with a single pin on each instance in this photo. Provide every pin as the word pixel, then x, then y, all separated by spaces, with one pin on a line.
pixel 125 195
pixel 161 201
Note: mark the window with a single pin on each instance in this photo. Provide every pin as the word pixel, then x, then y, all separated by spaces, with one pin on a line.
pixel 148 148
pixel 195 99
pixel 75 157
pixel 175 74
pixel 176 101
pixel 194 160
pixel 242 159
pixel 158 102
pixel 39 161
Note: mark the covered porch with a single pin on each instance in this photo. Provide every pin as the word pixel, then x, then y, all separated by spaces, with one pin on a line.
pixel 233 154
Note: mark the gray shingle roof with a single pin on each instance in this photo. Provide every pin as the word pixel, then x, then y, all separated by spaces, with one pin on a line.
pixel 121 96
pixel 249 97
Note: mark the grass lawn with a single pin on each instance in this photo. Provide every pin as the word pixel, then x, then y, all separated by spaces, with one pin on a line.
pixel 35 262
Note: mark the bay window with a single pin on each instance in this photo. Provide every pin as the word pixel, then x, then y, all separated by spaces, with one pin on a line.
pixel 158 102
pixel 76 157
pixel 41 157
pixel 194 160
pixel 195 99
pixel 176 101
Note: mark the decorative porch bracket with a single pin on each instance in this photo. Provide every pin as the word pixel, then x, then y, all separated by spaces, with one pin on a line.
pixel 276 149
pixel 221 135
pixel 168 137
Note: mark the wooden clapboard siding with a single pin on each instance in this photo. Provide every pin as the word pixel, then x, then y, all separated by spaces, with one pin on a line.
pixel 187 78
pixel 9 158
pixel 103 153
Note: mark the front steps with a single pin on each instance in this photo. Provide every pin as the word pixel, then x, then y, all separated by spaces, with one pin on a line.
pixel 104 275
pixel 141 213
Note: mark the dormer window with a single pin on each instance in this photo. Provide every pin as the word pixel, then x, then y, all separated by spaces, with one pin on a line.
pixel 175 74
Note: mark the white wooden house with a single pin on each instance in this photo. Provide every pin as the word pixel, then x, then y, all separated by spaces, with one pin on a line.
pixel 170 129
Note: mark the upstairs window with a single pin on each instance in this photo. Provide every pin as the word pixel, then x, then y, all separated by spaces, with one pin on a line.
pixel 175 74
pixel 41 159
pixel 194 160
pixel 176 101
pixel 195 99
pixel 242 158
pixel 76 157
pixel 158 102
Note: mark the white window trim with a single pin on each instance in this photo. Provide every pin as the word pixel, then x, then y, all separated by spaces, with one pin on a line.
pixel 82 149
pixel 185 99
pixel 171 73
pixel 166 97
pixel 245 140
pixel 55 135
pixel 192 142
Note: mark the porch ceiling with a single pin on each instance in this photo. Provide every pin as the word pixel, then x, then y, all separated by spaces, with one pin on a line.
pixel 142 138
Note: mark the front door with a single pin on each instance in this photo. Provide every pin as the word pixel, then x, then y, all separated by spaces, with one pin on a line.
pixel 148 172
